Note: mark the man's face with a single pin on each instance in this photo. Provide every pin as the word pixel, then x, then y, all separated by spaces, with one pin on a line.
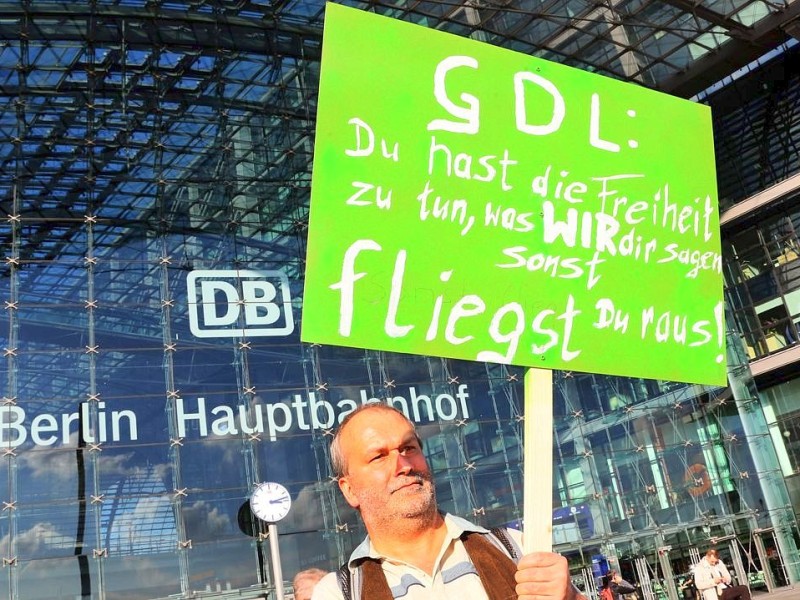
pixel 712 560
pixel 387 475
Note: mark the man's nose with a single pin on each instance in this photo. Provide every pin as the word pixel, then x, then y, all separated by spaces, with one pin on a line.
pixel 403 464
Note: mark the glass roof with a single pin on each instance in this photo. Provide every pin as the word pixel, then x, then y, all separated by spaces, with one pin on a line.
pixel 107 107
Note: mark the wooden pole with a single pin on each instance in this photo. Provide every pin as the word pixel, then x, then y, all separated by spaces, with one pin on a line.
pixel 538 462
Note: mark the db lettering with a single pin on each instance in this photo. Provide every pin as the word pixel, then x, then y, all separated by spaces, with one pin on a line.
pixel 239 303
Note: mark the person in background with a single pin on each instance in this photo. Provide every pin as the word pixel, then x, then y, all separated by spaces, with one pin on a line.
pixel 713 581
pixel 304 582
pixel 412 550
pixel 619 587
pixel 605 589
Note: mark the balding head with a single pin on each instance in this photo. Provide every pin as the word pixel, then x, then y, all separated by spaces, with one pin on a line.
pixel 338 458
pixel 304 582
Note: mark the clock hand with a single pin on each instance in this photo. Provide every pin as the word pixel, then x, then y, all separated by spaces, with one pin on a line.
pixel 279 500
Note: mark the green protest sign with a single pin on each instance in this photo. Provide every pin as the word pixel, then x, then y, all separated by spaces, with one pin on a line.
pixel 476 203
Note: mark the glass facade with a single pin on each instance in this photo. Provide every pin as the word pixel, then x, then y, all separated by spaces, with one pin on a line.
pixel 757 125
pixel 783 412
pixel 762 276
pixel 759 245
pixel 154 181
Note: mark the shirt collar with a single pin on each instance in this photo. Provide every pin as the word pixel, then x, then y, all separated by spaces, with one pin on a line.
pixel 456 526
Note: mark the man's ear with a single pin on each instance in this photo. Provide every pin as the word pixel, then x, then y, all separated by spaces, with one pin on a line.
pixel 347 492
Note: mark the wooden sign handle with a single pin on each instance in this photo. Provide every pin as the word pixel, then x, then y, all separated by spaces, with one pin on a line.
pixel 538 462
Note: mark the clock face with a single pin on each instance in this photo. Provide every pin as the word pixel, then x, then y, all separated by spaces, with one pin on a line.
pixel 270 502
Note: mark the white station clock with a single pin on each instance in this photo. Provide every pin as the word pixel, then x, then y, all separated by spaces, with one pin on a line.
pixel 270 502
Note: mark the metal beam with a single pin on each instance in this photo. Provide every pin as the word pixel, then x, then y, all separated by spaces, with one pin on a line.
pixel 743 48
pixel 145 28
pixel 697 9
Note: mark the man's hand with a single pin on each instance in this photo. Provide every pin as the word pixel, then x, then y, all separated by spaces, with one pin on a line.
pixel 544 576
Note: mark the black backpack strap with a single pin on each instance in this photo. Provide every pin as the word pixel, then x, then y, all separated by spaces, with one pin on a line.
pixel 345 582
pixel 502 537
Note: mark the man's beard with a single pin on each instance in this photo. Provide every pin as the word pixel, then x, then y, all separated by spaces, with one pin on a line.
pixel 408 497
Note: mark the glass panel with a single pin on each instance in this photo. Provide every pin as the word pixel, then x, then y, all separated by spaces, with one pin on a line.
pixel 149 382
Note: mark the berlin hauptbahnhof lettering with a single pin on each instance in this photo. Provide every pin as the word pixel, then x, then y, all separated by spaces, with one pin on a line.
pixel 97 425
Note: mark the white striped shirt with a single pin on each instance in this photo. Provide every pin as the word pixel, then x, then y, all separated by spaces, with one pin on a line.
pixel 454 577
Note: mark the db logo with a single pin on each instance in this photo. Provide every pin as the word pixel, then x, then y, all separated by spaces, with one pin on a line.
pixel 239 303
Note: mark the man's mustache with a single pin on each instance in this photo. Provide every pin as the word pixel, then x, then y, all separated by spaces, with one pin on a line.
pixel 414 477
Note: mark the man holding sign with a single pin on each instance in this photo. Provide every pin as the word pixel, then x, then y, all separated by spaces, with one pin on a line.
pixel 412 550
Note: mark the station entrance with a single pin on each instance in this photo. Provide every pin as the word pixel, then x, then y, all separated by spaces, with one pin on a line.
pixel 660 564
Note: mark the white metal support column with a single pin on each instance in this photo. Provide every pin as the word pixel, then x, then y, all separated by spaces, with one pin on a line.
pixel 645 578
